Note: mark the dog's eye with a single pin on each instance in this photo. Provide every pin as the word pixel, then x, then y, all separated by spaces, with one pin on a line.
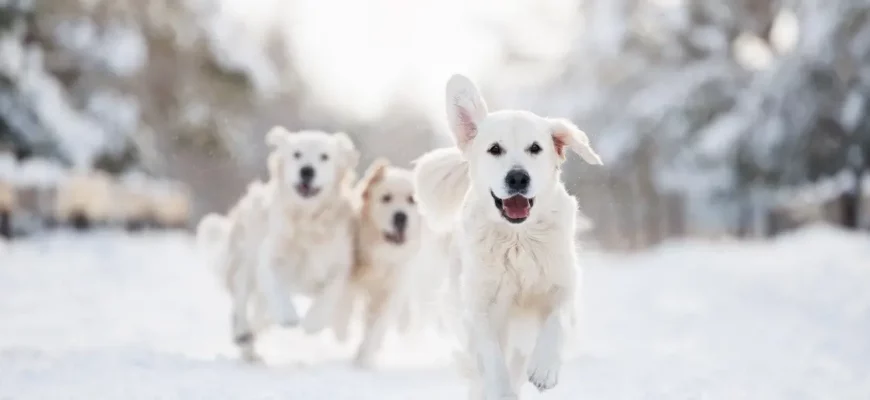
pixel 297 155
pixel 386 198
pixel 411 199
pixel 495 149
pixel 535 148
pixel 324 157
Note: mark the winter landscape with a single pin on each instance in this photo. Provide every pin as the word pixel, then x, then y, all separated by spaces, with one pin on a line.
pixel 107 316
pixel 727 254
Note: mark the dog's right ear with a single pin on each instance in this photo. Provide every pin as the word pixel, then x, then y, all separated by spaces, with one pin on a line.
pixel 465 109
pixel 373 174
pixel 276 135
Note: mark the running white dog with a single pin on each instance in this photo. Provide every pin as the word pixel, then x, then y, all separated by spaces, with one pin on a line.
pixel 291 235
pixel 387 240
pixel 513 224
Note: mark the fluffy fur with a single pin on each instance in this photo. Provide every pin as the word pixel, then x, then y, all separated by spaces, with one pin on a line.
pixel 84 199
pixel 514 236
pixel 292 235
pixel 387 239
pixel 8 204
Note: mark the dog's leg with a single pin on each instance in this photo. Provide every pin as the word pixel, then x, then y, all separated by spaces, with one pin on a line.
pixel 6 224
pixel 487 322
pixel 517 365
pixel 324 306
pixel 343 313
pixel 278 298
pixel 475 389
pixel 243 335
pixel 380 309
pixel 546 358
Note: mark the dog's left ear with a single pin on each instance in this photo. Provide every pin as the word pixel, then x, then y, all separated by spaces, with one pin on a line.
pixel 347 149
pixel 568 135
pixel 373 174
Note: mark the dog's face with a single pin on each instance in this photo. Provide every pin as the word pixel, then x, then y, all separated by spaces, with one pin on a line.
pixel 311 165
pixel 514 157
pixel 388 202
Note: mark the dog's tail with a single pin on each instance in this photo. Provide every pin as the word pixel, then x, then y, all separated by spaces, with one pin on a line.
pixel 441 182
pixel 212 229
pixel 212 232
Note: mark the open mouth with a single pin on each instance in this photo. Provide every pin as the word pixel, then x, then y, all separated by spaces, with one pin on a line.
pixel 514 209
pixel 306 190
pixel 395 237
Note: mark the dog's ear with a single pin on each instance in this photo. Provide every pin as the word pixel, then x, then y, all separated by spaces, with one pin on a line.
pixel 567 135
pixel 465 109
pixel 276 135
pixel 349 153
pixel 373 174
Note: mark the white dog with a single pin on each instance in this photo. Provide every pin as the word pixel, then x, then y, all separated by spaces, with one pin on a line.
pixel 292 235
pixel 387 240
pixel 513 225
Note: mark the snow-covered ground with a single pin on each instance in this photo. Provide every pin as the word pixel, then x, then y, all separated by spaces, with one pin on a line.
pixel 110 316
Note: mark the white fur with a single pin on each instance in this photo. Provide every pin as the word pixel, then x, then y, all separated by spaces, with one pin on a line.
pixel 282 243
pixel 516 281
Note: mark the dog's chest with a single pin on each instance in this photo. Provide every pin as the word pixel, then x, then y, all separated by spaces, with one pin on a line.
pixel 527 264
pixel 384 262
pixel 523 265
pixel 311 261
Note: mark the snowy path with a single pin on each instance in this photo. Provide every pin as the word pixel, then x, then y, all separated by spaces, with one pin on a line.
pixel 112 317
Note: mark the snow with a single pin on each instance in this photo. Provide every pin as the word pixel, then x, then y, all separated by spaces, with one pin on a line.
pixel 106 315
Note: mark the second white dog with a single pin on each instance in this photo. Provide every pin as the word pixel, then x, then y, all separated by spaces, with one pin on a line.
pixel 513 223
pixel 292 235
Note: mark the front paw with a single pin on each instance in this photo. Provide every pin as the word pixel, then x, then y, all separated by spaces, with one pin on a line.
pixel 364 359
pixel 543 373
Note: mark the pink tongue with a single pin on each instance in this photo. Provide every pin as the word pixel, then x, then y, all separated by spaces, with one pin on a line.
pixel 516 207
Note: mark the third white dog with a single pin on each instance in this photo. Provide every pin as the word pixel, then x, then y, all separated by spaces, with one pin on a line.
pixel 513 223
pixel 387 240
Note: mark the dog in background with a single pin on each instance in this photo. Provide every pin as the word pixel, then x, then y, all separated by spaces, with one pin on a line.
pixel 292 235
pixel 387 240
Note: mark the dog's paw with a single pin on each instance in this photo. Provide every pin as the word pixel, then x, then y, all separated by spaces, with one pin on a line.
pixel 365 358
pixel 250 357
pixel 244 339
pixel 543 376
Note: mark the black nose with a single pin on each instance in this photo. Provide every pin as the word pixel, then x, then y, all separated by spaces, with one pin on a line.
pixel 400 220
pixel 306 173
pixel 517 181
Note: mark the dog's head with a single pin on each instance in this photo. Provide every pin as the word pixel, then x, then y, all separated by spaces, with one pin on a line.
pixel 387 194
pixel 514 157
pixel 310 165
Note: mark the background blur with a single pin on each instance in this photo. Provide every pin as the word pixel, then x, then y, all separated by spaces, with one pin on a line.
pixel 713 117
